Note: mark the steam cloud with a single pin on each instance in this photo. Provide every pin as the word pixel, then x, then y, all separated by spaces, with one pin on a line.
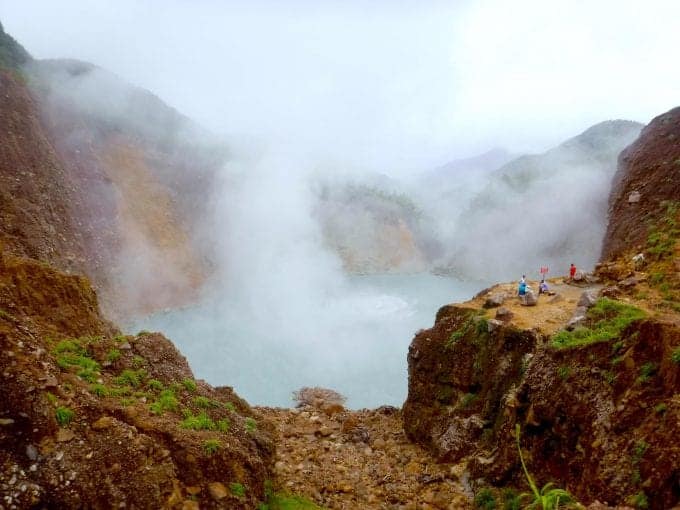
pixel 339 94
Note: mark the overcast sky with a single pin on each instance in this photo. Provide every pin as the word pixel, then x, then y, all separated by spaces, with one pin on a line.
pixel 393 84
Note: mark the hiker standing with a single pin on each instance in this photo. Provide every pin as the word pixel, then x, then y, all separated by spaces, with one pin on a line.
pixel 572 271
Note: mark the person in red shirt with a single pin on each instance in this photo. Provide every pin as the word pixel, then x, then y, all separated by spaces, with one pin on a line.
pixel 572 271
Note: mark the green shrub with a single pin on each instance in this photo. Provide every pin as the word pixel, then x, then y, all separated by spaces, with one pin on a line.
pixel 100 390
pixel 198 422
pixel 459 333
pixel 675 356
pixel 189 385
pixel 230 407
pixel 547 498
pixel 484 500
pixel 647 371
pixel 638 500
pixel 223 425
pixel 237 489
pixel 211 446
pixel 154 384
pixel 251 424
pixel 131 378
pixel 660 408
pixel 511 500
pixel 166 402
pixel 607 319
pixel 64 415
pixel 138 361
pixel 205 402
pixel 564 371
pixel 112 355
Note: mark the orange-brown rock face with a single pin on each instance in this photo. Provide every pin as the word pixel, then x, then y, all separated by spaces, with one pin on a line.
pixel 93 419
pixel 648 175
pixel 36 193
pixel 599 419
pixel 143 176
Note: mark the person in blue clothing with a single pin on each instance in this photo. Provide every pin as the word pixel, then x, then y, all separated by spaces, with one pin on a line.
pixel 522 287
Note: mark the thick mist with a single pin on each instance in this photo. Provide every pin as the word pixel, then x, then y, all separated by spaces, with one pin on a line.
pixel 334 122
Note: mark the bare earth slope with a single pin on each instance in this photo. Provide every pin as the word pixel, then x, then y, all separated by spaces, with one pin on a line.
pixel 648 174
pixel 93 419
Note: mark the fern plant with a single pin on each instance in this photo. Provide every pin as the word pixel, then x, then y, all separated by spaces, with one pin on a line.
pixel 547 498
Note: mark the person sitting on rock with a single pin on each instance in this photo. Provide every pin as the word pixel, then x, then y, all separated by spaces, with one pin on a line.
pixel 522 288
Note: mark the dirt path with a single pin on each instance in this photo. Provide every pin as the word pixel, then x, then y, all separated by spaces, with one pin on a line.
pixel 361 460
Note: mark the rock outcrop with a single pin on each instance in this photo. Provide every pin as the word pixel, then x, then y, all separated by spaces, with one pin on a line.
pixel 646 182
pixel 599 419
pixel 93 419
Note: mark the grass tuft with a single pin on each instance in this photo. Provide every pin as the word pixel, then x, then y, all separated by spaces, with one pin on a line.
pixel 166 402
pixel 211 446
pixel 607 319
pixel 64 415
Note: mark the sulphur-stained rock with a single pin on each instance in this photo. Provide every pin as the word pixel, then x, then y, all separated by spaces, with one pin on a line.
pixel 103 423
pixel 64 435
pixel 217 491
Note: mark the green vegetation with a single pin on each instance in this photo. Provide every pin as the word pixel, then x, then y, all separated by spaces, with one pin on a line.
pixel 229 406
pixel 6 315
pixel 564 372
pixel 189 385
pixel 647 371
pixel 64 415
pixel 662 237
pixel 223 425
pixel 100 390
pixel 660 408
pixel 211 446
pixel 138 361
pixel 205 403
pixel 166 402
pixel 237 489
pixel 132 378
pixel 467 400
pixel 607 319
pixel 638 500
pixel 71 354
pixel 251 424
pixel 460 332
pixel 547 498
pixel 198 422
pixel 112 355
pixel 484 500
pixel 154 384
pixel 284 501
pixel 675 356
pixel 511 500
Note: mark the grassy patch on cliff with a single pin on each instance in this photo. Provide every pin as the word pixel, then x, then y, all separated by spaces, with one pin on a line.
pixel 606 320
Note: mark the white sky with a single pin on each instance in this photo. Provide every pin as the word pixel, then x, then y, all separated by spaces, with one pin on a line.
pixel 392 85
